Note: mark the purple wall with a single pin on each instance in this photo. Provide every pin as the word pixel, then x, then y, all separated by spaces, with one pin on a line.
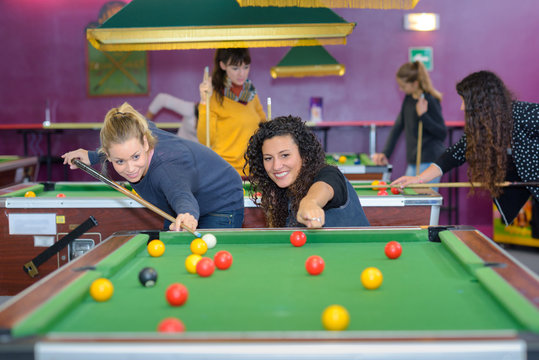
pixel 46 62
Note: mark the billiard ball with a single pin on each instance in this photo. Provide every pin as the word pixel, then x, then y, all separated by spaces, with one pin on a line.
pixel 199 246
pixel 374 185
pixel 298 238
pixel 156 248
pixel 134 192
pixel 30 194
pixel 382 192
pixel 171 325
pixel 336 157
pixel 342 159
pixel 395 190
pixel 314 265
pixel 382 185
pixel 222 260
pixel 147 276
pixel 60 195
pixel 335 318
pixel 205 267
pixel 371 278
pixel 191 263
pixel 101 289
pixel 177 294
pixel 357 161
pixel 210 240
pixel 393 249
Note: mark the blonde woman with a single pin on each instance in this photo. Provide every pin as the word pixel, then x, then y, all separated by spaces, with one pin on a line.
pixel 181 177
pixel 421 103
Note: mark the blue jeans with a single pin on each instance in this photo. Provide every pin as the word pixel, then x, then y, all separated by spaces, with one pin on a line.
pixel 219 220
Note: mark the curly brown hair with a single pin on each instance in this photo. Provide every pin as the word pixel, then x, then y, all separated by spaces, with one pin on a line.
pixel 488 127
pixel 274 200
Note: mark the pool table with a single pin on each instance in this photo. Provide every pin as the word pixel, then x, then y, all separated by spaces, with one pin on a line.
pixel 116 212
pixel 112 210
pixel 452 294
pixel 359 166
pixel 411 207
pixel 16 169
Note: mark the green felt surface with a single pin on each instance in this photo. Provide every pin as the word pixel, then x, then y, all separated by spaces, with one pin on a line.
pixel 429 288
pixel 7 158
pixel 333 159
pixel 85 190
pixel 182 13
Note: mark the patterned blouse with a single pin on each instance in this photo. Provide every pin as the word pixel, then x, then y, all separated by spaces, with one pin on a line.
pixel 524 157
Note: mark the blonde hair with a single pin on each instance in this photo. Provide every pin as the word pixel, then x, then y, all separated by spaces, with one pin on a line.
pixel 416 71
pixel 124 123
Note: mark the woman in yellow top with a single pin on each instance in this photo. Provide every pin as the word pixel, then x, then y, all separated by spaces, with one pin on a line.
pixel 235 109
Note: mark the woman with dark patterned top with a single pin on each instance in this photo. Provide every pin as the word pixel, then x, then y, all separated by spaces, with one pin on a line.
pixel 500 143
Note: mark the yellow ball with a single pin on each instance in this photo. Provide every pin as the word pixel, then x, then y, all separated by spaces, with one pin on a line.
pixel 156 248
pixel 30 194
pixel 342 159
pixel 335 318
pixel 371 278
pixel 374 184
pixel 191 263
pixel 199 246
pixel 101 289
pixel 134 192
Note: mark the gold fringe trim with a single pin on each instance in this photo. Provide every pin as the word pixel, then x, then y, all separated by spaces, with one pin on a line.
pixel 137 39
pixel 305 71
pixel 355 4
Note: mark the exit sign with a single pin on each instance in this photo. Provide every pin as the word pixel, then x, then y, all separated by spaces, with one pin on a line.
pixel 423 54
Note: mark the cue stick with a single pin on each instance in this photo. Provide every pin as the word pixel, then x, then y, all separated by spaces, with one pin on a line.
pixel 206 77
pixel 451 185
pixel 269 109
pixel 419 143
pixel 128 193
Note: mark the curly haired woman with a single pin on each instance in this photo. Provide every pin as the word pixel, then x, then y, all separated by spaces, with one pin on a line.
pixel 287 165
pixel 491 114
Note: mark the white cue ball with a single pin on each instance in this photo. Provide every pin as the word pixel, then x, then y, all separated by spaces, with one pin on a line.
pixel 210 240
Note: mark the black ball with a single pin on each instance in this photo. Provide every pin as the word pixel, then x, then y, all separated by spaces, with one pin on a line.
pixel 147 276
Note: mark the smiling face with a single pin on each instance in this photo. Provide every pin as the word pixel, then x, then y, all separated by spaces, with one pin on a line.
pixel 130 159
pixel 236 73
pixel 282 160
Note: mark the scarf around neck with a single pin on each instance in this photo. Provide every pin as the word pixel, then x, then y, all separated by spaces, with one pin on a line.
pixel 247 93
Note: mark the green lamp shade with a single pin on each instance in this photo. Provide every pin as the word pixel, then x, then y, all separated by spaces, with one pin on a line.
pixel 307 61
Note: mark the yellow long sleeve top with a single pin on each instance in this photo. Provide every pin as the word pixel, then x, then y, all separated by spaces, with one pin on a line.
pixel 231 126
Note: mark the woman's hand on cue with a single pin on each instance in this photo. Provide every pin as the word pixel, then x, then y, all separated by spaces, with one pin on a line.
pixel 185 219
pixel 80 154
pixel 404 181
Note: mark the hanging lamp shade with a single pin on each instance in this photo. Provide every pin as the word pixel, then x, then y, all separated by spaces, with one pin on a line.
pixel 307 61
pixel 355 4
pixel 210 24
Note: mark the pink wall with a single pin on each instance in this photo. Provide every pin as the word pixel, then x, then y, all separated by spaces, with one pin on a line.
pixel 44 59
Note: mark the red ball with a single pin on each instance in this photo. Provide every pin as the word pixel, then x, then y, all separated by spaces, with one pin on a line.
pixel 222 259
pixel 380 185
pixel 177 294
pixel 382 193
pixel 393 249
pixel 395 190
pixel 205 267
pixel 314 265
pixel 60 195
pixel 298 238
pixel 171 325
